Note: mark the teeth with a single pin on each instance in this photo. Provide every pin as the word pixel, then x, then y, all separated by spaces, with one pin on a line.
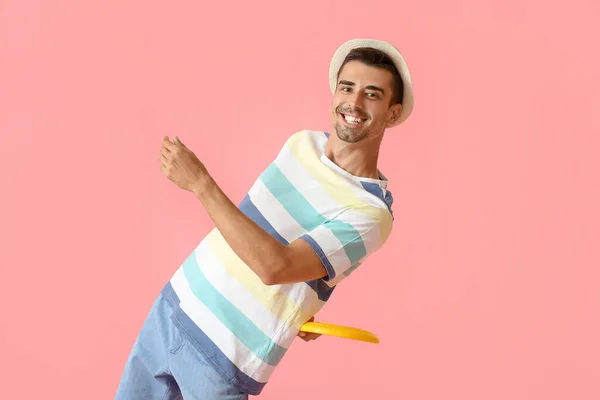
pixel 352 120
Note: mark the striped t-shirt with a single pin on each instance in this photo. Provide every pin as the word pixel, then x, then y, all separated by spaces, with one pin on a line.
pixel 245 327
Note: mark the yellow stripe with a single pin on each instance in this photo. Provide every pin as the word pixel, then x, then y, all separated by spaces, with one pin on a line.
pixel 334 185
pixel 274 300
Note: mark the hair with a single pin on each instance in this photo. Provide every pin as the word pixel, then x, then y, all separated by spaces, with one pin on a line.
pixel 378 59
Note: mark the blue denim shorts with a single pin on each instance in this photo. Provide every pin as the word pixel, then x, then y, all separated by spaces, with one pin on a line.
pixel 164 365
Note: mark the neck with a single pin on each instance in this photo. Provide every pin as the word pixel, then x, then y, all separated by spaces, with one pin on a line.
pixel 358 159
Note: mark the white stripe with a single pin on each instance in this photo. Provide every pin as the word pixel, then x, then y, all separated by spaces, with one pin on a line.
pixel 233 349
pixel 304 295
pixel 306 184
pixel 272 210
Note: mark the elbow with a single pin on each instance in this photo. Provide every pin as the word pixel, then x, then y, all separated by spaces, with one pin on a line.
pixel 269 279
pixel 273 274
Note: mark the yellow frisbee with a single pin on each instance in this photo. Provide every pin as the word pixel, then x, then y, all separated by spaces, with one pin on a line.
pixel 346 332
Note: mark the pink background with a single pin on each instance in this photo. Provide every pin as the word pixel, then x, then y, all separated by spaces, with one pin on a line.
pixel 489 287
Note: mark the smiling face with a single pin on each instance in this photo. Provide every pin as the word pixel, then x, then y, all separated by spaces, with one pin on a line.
pixel 362 103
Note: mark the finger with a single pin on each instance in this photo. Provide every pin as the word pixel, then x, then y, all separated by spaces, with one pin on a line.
pixel 178 141
pixel 168 144
pixel 164 169
pixel 164 152
pixel 310 336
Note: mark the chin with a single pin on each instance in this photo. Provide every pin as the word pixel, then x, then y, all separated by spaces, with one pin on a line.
pixel 349 135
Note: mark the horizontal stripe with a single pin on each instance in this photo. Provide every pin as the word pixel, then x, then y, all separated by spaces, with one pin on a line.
pixel 316 195
pixel 244 329
pixel 269 323
pixel 282 300
pixel 274 213
pixel 212 352
pixel 311 189
pixel 309 218
pixel 250 210
pixel 366 227
pixel 291 200
pixel 337 186
pixel 350 238
pixel 234 350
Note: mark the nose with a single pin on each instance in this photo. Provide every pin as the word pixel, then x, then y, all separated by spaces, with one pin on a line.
pixel 356 100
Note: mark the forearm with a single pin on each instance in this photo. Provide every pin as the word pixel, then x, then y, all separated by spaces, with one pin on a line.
pixel 272 261
pixel 252 244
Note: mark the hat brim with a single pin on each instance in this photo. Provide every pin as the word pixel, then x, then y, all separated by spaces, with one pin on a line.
pixel 342 52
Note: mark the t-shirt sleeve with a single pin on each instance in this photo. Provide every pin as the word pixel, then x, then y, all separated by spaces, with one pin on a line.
pixel 345 242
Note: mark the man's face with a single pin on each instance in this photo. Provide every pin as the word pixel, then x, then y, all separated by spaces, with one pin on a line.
pixel 361 102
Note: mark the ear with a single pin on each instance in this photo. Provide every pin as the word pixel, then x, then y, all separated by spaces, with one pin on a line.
pixel 394 115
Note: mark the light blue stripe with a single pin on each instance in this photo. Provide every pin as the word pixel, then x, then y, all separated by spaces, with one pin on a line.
pixel 291 199
pixel 246 331
pixel 350 239
pixel 300 209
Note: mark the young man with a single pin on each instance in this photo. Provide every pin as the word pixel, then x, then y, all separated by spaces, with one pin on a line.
pixel 229 313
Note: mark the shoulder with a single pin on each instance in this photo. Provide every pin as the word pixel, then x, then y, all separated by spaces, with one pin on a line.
pixel 381 196
pixel 374 211
pixel 313 136
pixel 304 142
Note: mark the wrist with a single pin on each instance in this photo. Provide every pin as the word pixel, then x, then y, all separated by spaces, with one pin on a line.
pixel 202 186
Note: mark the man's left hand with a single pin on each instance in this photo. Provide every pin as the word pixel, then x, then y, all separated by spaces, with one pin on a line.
pixel 308 336
pixel 181 166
